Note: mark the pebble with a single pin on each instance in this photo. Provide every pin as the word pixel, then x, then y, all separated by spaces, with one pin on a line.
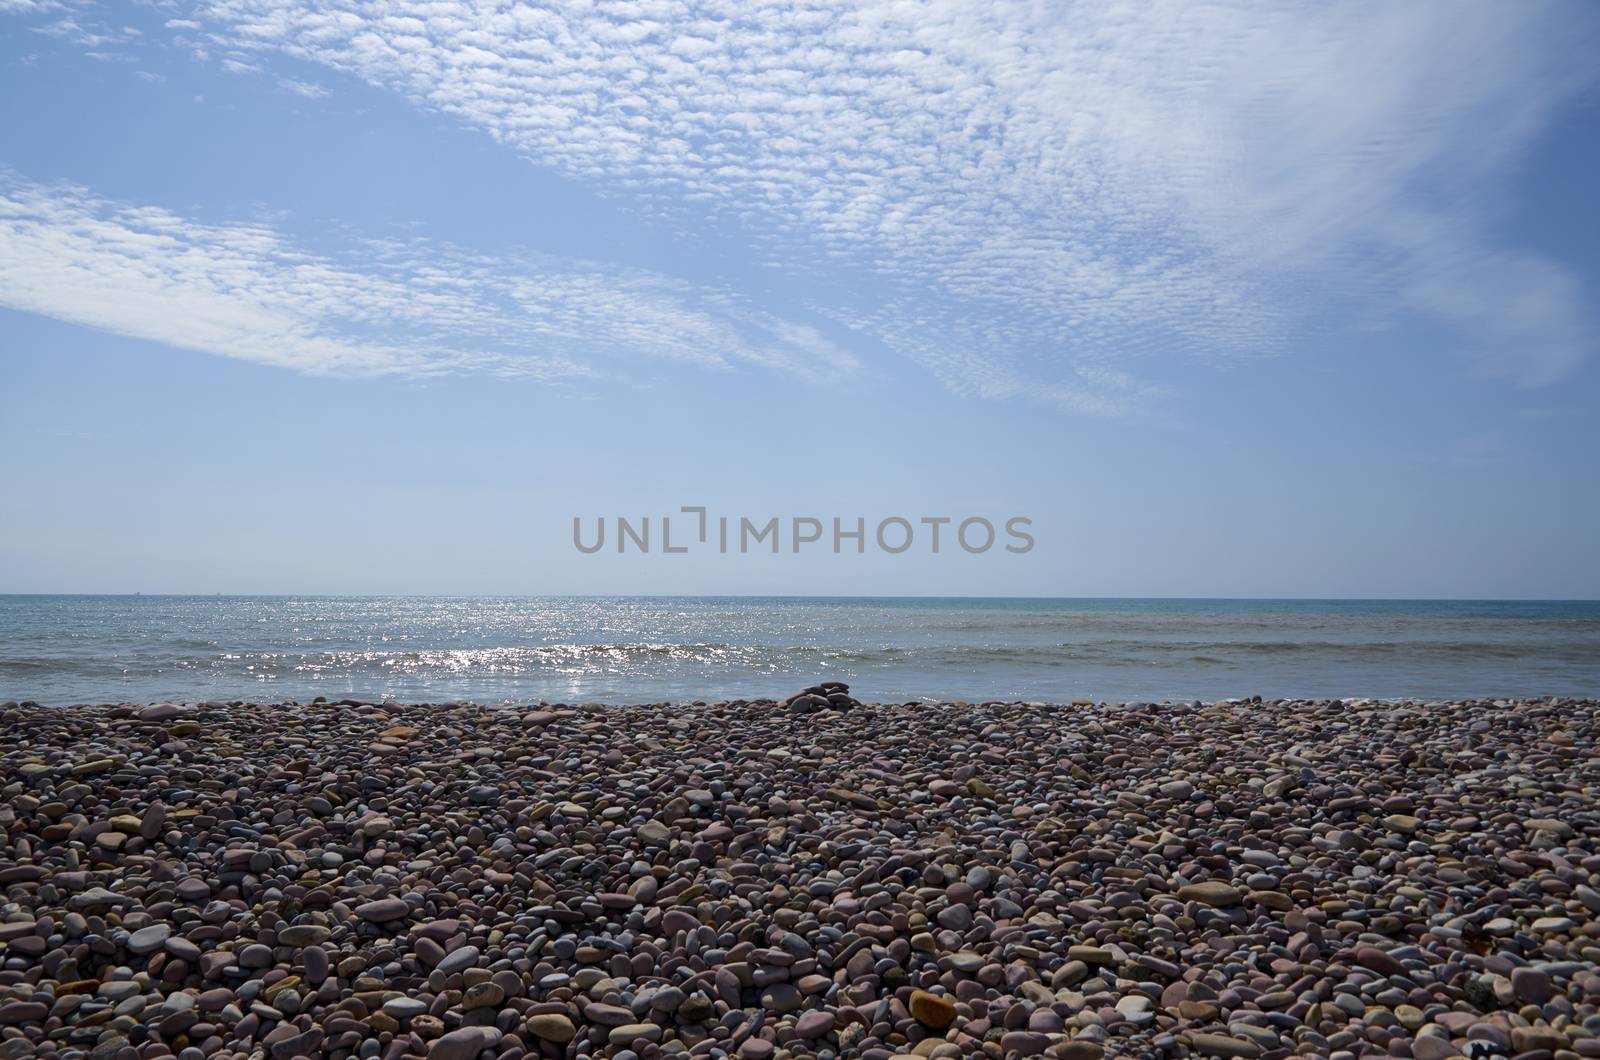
pixel 463 1044
pixel 149 939
pixel 809 877
pixel 383 910
pixel 1212 892
pixel 552 1027
pixel 932 1010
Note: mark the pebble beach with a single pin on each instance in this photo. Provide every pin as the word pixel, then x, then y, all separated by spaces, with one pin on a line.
pixel 802 877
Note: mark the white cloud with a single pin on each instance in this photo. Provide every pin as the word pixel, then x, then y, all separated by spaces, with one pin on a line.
pixel 380 306
pixel 307 89
pixel 89 35
pixel 1077 183
pixel 1050 198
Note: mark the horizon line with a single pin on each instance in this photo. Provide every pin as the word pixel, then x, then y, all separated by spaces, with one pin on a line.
pixel 805 596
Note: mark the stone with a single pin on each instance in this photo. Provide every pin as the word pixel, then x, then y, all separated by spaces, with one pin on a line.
pixel 932 1010
pixel 552 1027
pixel 463 1044
pixel 629 1033
pixel 383 910
pixel 1207 1044
pixel 302 935
pixel 1024 1043
pixel 814 1024
pixel 459 959
pixel 15 1012
pixel 1378 961
pixel 483 995
pixel 734 878
pixel 1532 985
pixel 149 939
pixel 404 1008
pixel 1214 893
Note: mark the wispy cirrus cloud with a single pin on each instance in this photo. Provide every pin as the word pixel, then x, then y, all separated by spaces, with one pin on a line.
pixel 412 307
pixel 1074 183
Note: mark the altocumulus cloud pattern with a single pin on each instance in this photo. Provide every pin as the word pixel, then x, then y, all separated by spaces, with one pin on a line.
pixel 1047 199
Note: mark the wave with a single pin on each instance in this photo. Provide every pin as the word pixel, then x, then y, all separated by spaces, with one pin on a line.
pixel 65 650
pixel 642 657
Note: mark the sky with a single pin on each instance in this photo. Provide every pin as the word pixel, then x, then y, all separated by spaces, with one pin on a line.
pixel 1224 299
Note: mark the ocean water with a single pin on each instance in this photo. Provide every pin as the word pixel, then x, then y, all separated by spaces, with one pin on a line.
pixel 76 649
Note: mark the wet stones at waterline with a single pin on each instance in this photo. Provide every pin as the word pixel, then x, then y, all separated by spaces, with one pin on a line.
pixel 791 880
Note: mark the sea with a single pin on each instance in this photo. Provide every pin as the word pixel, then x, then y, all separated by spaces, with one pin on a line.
pixel 64 650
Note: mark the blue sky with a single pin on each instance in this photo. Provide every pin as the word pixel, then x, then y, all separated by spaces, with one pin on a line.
pixel 1240 300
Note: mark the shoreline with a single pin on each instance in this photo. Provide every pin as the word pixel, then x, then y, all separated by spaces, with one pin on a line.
pixel 1262 702
pixel 767 879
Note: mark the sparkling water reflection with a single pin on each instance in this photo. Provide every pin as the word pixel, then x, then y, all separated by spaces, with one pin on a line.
pixel 66 649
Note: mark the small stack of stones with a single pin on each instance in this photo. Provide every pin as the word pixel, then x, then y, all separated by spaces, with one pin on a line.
pixel 222 881
pixel 829 695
